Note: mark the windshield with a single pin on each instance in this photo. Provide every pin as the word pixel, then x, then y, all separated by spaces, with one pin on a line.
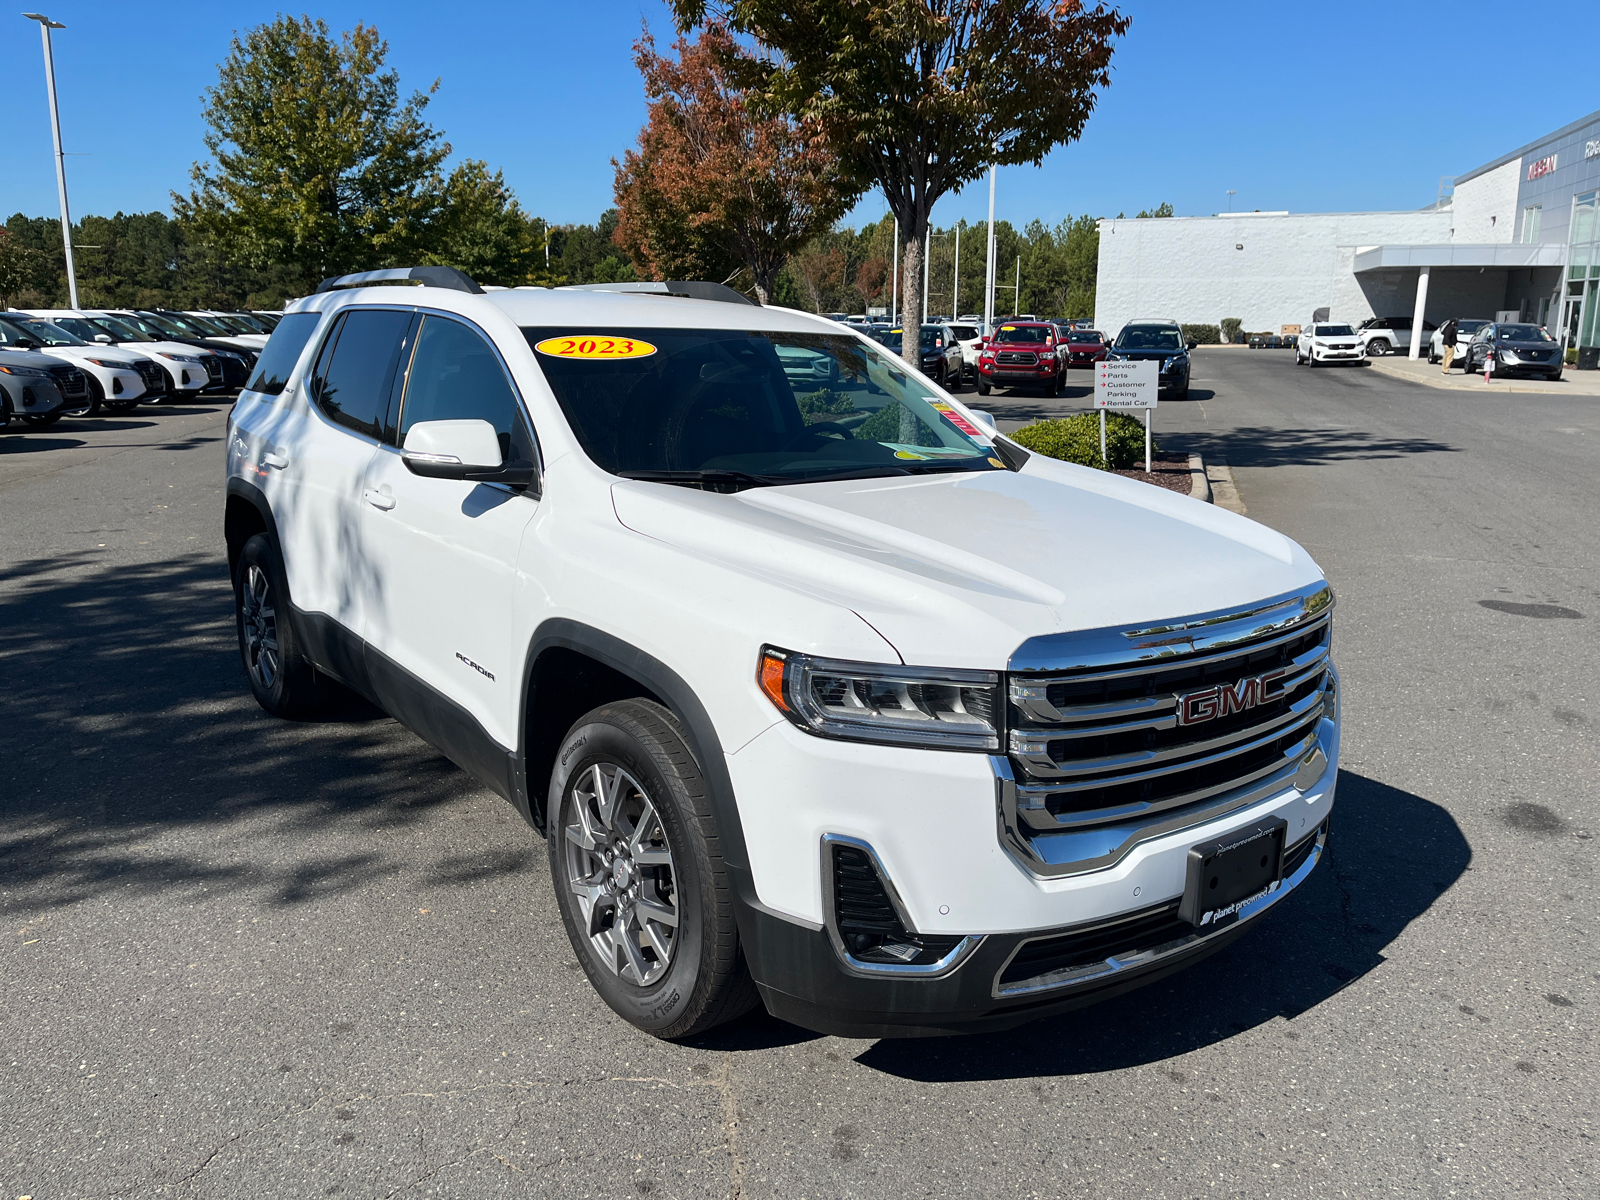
pixel 1149 337
pixel 123 329
pixel 1333 331
pixel 267 321
pixel 42 332
pixel 161 326
pixel 963 333
pixel 83 328
pixel 1092 336
pixel 762 407
pixel 190 324
pixel 1470 325
pixel 233 324
pixel 1523 333
pixel 1026 335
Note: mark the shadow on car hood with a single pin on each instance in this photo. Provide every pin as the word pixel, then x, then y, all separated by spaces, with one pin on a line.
pixel 958 570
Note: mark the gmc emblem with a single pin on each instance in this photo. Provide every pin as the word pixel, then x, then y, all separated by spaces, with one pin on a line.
pixel 1195 708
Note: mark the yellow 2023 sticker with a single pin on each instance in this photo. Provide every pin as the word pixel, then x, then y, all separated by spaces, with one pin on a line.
pixel 595 346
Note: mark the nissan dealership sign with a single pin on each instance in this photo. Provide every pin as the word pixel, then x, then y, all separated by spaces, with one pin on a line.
pixel 1543 167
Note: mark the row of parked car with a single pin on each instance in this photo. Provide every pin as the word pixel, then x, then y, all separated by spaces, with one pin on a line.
pixel 61 362
pixel 1514 347
pixel 1028 353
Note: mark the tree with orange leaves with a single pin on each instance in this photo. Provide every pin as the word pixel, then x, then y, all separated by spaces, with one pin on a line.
pixel 712 190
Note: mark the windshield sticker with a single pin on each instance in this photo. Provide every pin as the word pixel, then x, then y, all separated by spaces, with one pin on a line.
pixel 1008 329
pixel 585 346
pixel 955 418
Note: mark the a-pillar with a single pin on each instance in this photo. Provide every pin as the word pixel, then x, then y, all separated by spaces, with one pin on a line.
pixel 1416 317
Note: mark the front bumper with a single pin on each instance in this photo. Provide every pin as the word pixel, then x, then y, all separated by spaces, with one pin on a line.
pixel 935 822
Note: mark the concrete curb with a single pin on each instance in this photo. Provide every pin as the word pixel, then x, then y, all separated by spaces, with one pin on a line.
pixel 1224 491
pixel 1436 378
pixel 1199 485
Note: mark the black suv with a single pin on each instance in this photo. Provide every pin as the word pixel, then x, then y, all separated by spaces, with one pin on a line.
pixel 1163 342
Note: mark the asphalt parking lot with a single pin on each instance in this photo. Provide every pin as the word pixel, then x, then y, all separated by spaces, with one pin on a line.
pixel 249 958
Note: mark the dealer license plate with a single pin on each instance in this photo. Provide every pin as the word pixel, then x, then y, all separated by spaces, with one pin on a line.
pixel 1228 873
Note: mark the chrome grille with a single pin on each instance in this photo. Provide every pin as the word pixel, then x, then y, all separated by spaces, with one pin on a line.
pixel 1016 358
pixel 1116 735
pixel 213 368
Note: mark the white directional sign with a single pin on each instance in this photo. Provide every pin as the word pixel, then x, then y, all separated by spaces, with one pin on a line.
pixel 1127 384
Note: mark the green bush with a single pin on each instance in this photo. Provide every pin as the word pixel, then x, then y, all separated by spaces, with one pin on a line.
pixel 1230 329
pixel 1077 440
pixel 1206 335
pixel 1572 356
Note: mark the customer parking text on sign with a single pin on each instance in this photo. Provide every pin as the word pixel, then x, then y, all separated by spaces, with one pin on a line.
pixel 1127 384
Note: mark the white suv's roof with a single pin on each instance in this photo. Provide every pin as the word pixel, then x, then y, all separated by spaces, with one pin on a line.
pixel 585 309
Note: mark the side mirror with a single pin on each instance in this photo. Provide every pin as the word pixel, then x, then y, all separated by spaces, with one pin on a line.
pixel 103 337
pixel 25 344
pixel 983 418
pixel 464 450
pixel 1192 344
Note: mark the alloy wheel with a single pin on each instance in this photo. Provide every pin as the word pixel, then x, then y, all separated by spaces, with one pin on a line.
pixel 260 625
pixel 620 870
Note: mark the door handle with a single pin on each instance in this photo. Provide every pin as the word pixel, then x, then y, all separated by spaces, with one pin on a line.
pixel 383 499
pixel 274 460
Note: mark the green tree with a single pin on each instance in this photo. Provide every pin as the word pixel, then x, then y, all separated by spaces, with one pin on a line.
pixel 1164 209
pixel 22 268
pixel 919 97
pixel 318 165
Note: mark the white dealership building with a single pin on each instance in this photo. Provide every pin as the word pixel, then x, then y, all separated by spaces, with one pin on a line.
pixel 1520 234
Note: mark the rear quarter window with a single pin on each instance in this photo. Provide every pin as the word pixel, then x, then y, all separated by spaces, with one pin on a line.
pixel 283 349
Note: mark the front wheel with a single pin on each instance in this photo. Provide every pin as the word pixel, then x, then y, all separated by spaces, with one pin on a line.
pixel 93 397
pixel 283 682
pixel 1378 347
pixel 638 873
pixel 42 420
pixel 983 387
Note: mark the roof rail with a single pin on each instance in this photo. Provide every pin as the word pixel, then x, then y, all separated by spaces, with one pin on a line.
pixel 439 277
pixel 692 289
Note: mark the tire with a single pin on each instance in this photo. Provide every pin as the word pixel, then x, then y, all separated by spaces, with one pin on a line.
pixel 1311 360
pixel 1182 393
pixel 40 422
pixel 1378 347
pixel 1554 377
pixel 1433 359
pixel 283 682
pixel 625 786
pixel 121 406
pixel 983 387
pixel 91 407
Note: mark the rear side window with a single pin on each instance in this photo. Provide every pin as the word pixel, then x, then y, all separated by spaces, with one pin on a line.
pixel 357 370
pixel 283 351
pixel 456 376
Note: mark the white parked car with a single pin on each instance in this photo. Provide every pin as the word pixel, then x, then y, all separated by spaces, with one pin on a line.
pixel 216 325
pixel 1323 342
pixel 117 379
pixel 969 336
pixel 800 671
pixel 1388 335
pixel 37 389
pixel 184 366
pixel 1466 327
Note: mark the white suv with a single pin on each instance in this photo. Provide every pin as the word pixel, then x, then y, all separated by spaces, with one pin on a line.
pixel 806 677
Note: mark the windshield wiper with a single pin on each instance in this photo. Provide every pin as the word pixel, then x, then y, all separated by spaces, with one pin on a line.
pixel 710 480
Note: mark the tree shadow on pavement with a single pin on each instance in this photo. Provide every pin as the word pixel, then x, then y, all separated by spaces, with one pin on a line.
pixel 1391 855
pixel 1277 446
pixel 128 719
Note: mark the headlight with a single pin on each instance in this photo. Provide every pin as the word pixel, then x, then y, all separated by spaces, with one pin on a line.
pixel 26 372
pixel 183 358
pixel 869 702
pixel 110 364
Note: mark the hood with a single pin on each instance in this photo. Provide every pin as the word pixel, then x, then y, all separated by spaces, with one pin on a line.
pixel 109 353
pixel 959 570
pixel 28 358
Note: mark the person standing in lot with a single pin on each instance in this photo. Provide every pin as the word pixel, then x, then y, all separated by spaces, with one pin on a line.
pixel 1447 342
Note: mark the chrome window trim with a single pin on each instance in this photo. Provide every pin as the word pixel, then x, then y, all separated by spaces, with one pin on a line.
pixel 935 970
pixel 1077 976
pixel 1139 647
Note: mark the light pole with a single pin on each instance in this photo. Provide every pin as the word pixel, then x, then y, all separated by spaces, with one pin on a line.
pixel 988 276
pixel 1231 193
pixel 45 26
pixel 955 283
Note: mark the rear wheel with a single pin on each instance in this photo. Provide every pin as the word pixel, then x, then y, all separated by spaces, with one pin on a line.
pixel 1378 347
pixel 638 873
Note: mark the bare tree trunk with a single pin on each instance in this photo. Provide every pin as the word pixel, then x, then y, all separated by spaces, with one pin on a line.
pixel 911 298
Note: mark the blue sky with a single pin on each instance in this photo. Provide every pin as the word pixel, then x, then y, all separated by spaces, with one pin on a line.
pixel 1348 107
